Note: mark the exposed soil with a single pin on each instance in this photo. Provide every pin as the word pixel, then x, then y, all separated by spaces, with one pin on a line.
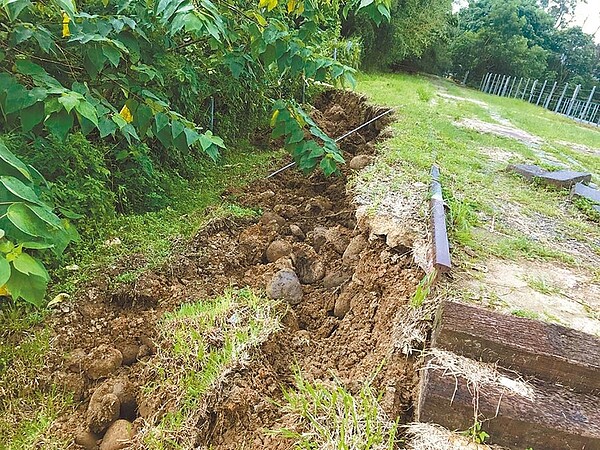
pixel 354 286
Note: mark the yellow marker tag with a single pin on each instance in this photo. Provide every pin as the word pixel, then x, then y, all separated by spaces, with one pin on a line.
pixel 4 292
pixel 65 20
pixel 125 113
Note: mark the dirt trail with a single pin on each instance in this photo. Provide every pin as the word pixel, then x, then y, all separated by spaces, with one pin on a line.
pixel 354 287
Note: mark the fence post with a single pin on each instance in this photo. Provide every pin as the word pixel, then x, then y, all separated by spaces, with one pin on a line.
pixel 506 86
pixel 549 99
pixel 587 105
pixel 512 86
pixel 575 94
pixel 532 89
pixel 518 87
pixel 525 90
pixel 541 93
pixel 483 81
pixel 560 100
pixel 499 85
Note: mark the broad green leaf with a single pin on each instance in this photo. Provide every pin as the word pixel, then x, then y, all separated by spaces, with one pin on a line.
pixel 28 265
pixel 88 111
pixel 14 7
pixel 112 54
pixel 30 288
pixel 70 100
pixel 177 128
pixel 67 6
pixel 4 270
pixel 161 120
pixel 106 127
pixel 31 116
pixel 8 158
pixel 59 124
pixel 24 219
pixel 46 214
pixel 21 33
pixel 20 189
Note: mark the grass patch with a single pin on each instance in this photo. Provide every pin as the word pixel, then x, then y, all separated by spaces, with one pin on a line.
pixel 330 417
pixel 542 285
pixel 478 190
pixel 525 314
pixel 199 345
pixel 27 409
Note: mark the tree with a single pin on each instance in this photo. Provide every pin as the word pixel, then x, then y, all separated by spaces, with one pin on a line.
pixel 414 26
pixel 501 36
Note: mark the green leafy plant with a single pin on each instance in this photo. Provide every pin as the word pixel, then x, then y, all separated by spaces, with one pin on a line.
pixel 27 225
pixel 476 434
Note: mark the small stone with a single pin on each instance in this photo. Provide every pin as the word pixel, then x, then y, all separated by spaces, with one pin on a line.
pixel 285 286
pixel 297 231
pixel 129 352
pixel 360 162
pixel 270 218
pixel 278 249
pixel 342 306
pixel 352 253
pixel 286 211
pixel 76 360
pixel 87 439
pixel 103 361
pixel 118 436
pixel 335 279
pixel 267 195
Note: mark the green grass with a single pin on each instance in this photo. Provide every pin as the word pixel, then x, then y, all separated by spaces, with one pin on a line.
pixel 477 188
pixel 542 285
pixel 330 417
pixel 200 343
pixel 27 409
pixel 525 314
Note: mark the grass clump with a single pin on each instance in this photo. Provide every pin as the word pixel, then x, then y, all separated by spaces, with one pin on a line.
pixel 29 405
pixel 329 417
pixel 199 345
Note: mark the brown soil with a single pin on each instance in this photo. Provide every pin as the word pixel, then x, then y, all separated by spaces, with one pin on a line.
pixel 354 286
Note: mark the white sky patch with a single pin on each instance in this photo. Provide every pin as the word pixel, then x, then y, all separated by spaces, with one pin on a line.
pixel 587 16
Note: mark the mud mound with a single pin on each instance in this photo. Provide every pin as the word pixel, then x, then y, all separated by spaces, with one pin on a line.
pixel 341 322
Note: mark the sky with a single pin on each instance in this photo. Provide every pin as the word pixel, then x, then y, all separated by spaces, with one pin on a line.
pixel 588 16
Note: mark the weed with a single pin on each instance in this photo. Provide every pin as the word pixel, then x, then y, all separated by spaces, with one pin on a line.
pixel 476 434
pixel 541 285
pixel 423 289
pixel 329 416
pixel 525 314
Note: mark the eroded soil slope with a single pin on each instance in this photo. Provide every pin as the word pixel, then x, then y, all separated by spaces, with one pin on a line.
pixel 354 286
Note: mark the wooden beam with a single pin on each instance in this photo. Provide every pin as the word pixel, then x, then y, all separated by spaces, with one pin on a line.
pixel 553 418
pixel 546 351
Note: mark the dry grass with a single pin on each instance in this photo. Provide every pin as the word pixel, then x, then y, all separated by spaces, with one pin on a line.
pixel 427 436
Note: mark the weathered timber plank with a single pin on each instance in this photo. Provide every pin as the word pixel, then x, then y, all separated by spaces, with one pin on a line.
pixel 546 351
pixel 553 419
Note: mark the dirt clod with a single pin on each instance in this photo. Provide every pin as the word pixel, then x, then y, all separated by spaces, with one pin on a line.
pixel 278 249
pixel 118 436
pixel 338 237
pixel 103 410
pixel 102 362
pixel 360 162
pixel 354 249
pixel 285 285
pixel 309 266
pixel 87 439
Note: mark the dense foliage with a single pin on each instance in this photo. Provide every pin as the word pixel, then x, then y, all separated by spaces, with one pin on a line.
pixel 106 96
pixel 521 38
